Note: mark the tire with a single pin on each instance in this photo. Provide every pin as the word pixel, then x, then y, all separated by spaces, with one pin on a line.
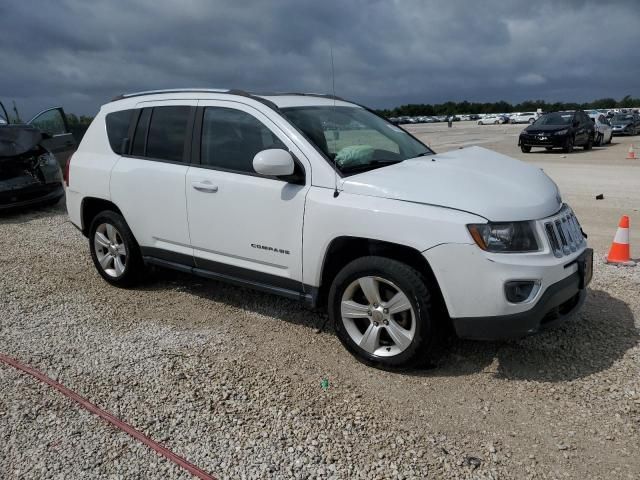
pixel 480 123
pixel 525 148
pixel 568 147
pixel 589 144
pixel 531 120
pixel 112 243
pixel 496 122
pixel 413 323
pixel 598 140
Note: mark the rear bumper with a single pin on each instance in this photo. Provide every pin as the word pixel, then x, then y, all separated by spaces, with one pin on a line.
pixel 558 303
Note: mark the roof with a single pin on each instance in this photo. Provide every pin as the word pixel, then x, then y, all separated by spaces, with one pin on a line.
pixel 274 100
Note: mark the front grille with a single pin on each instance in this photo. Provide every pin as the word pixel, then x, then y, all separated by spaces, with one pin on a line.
pixel 564 233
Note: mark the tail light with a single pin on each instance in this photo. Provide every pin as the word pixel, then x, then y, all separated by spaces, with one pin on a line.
pixel 65 173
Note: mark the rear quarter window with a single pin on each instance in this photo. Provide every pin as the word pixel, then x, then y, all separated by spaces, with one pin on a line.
pixel 118 129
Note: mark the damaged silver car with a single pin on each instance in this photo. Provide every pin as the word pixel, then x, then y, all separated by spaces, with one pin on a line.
pixel 31 158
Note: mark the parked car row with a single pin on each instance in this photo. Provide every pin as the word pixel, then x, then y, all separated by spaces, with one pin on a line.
pixel 574 128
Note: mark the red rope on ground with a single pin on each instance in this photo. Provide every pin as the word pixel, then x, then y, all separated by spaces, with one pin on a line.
pixel 86 404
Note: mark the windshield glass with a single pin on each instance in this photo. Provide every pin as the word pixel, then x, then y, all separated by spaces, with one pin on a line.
pixel 622 118
pixel 556 118
pixel 3 115
pixel 356 139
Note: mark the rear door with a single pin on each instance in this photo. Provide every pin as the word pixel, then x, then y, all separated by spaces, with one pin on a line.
pixel 148 182
pixel 61 143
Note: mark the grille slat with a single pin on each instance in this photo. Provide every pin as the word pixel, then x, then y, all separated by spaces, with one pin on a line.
pixel 564 233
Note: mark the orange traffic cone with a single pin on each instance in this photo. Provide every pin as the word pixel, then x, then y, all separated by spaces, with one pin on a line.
pixel 620 249
pixel 631 155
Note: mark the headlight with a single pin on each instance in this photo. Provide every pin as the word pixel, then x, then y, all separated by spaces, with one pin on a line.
pixel 504 237
pixel 46 159
pixel 562 132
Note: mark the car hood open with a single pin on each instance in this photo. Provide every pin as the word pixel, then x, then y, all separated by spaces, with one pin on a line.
pixel 475 180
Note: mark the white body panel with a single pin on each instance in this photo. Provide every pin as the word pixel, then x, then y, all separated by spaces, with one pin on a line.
pixel 473 179
pixel 424 204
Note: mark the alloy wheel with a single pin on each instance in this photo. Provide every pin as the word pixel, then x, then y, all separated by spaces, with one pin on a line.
pixel 378 316
pixel 111 250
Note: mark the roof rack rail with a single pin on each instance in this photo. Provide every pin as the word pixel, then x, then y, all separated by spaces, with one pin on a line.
pixel 303 94
pixel 198 90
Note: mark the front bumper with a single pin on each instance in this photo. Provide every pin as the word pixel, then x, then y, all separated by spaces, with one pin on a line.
pixel 31 196
pixel 621 131
pixel 558 303
pixel 543 141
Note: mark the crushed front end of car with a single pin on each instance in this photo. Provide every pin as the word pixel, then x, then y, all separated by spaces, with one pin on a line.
pixel 29 174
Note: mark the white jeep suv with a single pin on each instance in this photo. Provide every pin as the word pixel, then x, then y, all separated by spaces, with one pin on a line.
pixel 323 201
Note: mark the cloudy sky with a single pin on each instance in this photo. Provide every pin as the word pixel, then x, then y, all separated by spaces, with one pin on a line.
pixel 80 53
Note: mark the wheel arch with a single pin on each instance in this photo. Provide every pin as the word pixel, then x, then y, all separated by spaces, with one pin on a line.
pixel 90 207
pixel 345 249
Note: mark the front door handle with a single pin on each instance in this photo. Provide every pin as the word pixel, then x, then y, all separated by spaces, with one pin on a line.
pixel 206 187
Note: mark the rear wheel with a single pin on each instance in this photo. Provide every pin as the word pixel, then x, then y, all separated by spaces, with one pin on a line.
pixel 531 120
pixel 382 312
pixel 114 250
pixel 496 122
pixel 525 148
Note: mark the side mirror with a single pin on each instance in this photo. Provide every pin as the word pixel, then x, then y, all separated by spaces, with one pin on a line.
pixel 273 163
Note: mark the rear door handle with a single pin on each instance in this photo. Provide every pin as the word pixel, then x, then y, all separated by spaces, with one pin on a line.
pixel 206 187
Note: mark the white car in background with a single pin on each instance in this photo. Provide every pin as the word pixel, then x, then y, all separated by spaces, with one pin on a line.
pixel 493 120
pixel 604 132
pixel 525 117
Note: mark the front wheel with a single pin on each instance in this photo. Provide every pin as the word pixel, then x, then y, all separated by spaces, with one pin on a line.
pixel 114 250
pixel 525 148
pixel 589 144
pixel 598 141
pixel 568 147
pixel 382 312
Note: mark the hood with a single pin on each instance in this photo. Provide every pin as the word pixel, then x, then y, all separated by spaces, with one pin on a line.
pixel 18 139
pixel 476 180
pixel 545 128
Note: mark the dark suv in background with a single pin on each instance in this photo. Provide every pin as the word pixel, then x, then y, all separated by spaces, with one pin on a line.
pixel 567 129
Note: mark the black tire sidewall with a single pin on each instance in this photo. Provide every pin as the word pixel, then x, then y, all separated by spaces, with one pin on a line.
pixel 134 265
pixel 412 284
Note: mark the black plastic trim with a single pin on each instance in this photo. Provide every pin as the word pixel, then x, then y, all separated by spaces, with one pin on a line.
pixel 502 327
pixel 284 287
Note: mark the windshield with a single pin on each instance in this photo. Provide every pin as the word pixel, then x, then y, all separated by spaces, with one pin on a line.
pixel 4 119
pixel 354 138
pixel 622 118
pixel 556 118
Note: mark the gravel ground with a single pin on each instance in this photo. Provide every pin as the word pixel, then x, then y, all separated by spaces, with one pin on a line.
pixel 231 380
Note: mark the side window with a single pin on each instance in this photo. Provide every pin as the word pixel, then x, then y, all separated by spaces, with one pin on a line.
pixel 231 138
pixel 167 133
pixel 140 135
pixel 50 122
pixel 118 129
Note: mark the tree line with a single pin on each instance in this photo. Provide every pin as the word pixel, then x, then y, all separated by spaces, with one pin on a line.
pixel 447 108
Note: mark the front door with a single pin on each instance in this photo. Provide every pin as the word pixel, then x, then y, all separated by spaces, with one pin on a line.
pixel 60 141
pixel 243 225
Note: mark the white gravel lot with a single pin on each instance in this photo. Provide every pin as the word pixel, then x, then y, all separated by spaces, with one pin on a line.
pixel 230 379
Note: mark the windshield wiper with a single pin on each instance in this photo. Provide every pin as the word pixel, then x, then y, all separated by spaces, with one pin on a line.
pixel 369 166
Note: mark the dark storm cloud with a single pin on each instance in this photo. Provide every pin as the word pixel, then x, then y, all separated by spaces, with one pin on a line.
pixel 80 53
